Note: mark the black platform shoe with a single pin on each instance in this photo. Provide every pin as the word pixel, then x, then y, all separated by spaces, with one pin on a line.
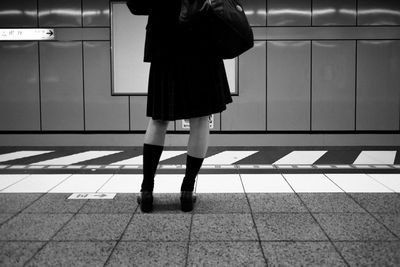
pixel 187 200
pixel 146 201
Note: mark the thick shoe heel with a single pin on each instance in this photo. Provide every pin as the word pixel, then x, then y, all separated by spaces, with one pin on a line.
pixel 145 200
pixel 187 200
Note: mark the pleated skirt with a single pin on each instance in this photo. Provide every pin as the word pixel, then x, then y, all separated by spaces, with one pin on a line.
pixel 185 88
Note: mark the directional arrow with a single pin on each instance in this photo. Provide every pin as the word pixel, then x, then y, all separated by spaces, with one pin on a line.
pixel 50 32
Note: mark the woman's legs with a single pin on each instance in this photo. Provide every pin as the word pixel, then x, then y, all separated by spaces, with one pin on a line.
pixel 152 149
pixel 199 136
pixel 197 149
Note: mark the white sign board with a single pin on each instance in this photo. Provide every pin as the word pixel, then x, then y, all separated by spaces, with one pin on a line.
pixel 92 196
pixel 186 123
pixel 26 34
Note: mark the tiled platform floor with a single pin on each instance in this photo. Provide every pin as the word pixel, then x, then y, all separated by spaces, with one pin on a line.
pixel 274 207
pixel 224 229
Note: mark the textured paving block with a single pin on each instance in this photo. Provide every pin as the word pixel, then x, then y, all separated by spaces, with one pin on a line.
pixel 223 227
pixel 159 227
pixel 225 254
pixel 5 216
pixel 149 254
pixel 330 202
pixel 13 203
pixel 392 221
pixel 288 226
pixel 371 253
pixel 92 227
pixel 34 227
pixel 354 226
pixel 379 202
pixel 17 253
pixel 221 203
pixel 73 254
pixel 301 254
pixel 275 202
pixel 165 203
pixel 55 203
pixel 122 203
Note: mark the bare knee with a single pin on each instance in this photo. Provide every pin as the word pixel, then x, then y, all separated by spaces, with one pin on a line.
pixel 160 124
pixel 198 121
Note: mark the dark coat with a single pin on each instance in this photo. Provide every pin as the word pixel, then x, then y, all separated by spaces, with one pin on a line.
pixel 166 38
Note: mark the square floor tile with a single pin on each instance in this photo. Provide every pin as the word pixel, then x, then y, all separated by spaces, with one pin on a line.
pixel 123 183
pixel 5 216
pixel 301 254
pixel 219 183
pixel 371 253
pixel 9 179
pixel 221 203
pixel 311 183
pixel 33 227
pixel 73 253
pixel 275 202
pixel 167 183
pixel 357 182
pixel 158 227
pixel 82 183
pixel 225 254
pixel 265 183
pixel 37 183
pixel 55 203
pixel 379 202
pixel 390 180
pixel 352 227
pixel 17 253
pixel 330 202
pixel 122 203
pixel 13 203
pixel 288 226
pixel 94 227
pixel 223 227
pixel 149 254
pixel 391 221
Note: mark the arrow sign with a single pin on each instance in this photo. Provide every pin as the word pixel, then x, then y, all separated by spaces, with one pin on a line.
pixel 92 196
pixel 26 34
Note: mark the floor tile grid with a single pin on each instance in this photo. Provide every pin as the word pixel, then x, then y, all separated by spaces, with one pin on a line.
pixel 20 211
pixel 316 221
pixel 254 222
pixel 366 210
pixel 120 238
pixel 51 238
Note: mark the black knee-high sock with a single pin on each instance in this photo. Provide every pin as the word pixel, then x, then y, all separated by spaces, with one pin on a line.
pixel 151 157
pixel 193 166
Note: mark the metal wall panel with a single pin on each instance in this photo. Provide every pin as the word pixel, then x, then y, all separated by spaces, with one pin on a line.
pixel 338 12
pixel 378 83
pixel 247 112
pixel 19 86
pixel 382 12
pixel 288 12
pixel 255 11
pixel 96 13
pixel 62 85
pixel 60 13
pixel 333 80
pixel 102 110
pixel 288 85
pixel 22 13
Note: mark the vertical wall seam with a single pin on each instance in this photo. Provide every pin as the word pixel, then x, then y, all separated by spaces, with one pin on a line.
pixel 311 87
pixel 355 85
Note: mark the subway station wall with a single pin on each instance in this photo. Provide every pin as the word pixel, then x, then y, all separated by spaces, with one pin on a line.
pixel 317 65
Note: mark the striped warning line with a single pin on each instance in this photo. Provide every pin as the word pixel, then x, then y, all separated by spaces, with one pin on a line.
pixel 208 166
